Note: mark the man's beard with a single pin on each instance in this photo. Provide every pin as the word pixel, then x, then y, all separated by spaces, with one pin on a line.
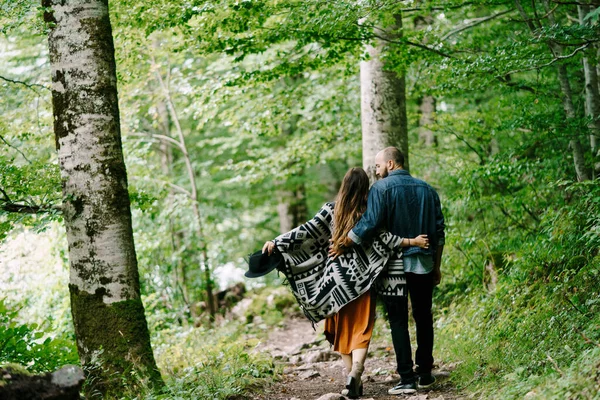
pixel 382 175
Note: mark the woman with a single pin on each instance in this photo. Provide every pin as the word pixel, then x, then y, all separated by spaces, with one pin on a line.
pixel 340 289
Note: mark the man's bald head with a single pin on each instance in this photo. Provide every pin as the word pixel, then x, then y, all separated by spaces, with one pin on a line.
pixel 388 160
pixel 392 154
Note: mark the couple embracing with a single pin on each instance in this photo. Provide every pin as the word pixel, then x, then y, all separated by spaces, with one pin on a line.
pixel 388 241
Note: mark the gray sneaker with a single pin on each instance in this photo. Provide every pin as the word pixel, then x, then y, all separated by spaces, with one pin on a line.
pixel 404 388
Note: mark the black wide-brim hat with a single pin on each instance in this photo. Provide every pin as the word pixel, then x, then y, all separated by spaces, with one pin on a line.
pixel 261 263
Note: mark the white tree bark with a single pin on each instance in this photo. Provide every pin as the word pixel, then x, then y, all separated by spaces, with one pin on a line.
pixel 383 105
pixel 108 314
pixel 592 93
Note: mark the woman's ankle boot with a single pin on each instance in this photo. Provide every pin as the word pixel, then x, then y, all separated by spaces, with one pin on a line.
pixel 354 383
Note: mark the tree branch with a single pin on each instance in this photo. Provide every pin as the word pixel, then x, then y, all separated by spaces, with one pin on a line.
pixel 161 137
pixel 28 85
pixel 16 148
pixel 6 204
pixel 174 186
pixel 516 85
pixel 555 59
pixel 419 45
pixel 513 219
pixel 438 8
pixel 6 197
pixel 29 209
pixel 570 3
pixel 476 21
pixel 481 158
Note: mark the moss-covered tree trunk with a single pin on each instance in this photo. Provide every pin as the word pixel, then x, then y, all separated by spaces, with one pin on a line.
pixel 383 103
pixel 110 326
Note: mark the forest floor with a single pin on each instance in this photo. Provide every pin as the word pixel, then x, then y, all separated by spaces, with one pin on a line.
pixel 311 370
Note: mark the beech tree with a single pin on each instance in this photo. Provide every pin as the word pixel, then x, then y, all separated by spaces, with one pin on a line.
pixel 383 103
pixel 108 314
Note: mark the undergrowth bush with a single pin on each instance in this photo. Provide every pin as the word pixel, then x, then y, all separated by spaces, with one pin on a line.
pixel 270 306
pixel 538 332
pixel 30 346
pixel 222 362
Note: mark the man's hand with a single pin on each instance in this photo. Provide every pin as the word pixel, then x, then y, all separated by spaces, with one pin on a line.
pixel 268 247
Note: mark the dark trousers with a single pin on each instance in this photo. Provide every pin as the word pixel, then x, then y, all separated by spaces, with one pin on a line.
pixel 420 289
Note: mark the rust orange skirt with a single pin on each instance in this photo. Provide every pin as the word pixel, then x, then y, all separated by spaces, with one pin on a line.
pixel 352 327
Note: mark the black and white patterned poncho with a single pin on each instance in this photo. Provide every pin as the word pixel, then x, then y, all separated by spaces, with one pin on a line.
pixel 323 285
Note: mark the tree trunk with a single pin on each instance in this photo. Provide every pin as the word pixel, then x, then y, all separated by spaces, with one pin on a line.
pixel 426 111
pixel 574 143
pixel 166 165
pixel 292 208
pixel 592 93
pixel 427 102
pixel 565 87
pixel 193 194
pixel 383 104
pixel 108 315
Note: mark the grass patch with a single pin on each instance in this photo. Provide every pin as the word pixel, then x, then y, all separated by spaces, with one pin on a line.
pixel 222 362
pixel 539 339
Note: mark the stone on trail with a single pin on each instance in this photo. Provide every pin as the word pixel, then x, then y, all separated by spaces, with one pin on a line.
pixel 305 367
pixel 418 397
pixel 18 384
pixel 68 376
pixel 294 359
pixel 308 374
pixel 332 396
pixel 280 355
pixel 321 356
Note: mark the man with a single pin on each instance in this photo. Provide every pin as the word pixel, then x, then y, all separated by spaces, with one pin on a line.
pixel 407 207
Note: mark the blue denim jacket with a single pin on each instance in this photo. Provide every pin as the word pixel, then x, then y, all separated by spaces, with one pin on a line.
pixel 404 206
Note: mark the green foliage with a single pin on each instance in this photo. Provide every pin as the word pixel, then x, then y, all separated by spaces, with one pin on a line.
pixel 30 346
pixel 266 95
pixel 269 307
pixel 223 361
pixel 537 333
pixel 219 370
pixel 541 338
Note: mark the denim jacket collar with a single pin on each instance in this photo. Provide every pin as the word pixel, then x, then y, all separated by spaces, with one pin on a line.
pixel 398 172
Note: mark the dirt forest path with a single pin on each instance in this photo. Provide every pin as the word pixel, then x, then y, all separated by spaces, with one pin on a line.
pixel 313 371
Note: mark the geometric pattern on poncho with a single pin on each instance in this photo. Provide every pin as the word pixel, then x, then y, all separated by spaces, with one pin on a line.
pixel 321 285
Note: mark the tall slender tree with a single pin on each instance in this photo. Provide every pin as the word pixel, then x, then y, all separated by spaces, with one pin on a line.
pixel 592 94
pixel 108 314
pixel 557 50
pixel 383 101
pixel 427 102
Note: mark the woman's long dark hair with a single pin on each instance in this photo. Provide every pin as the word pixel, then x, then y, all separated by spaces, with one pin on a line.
pixel 350 205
